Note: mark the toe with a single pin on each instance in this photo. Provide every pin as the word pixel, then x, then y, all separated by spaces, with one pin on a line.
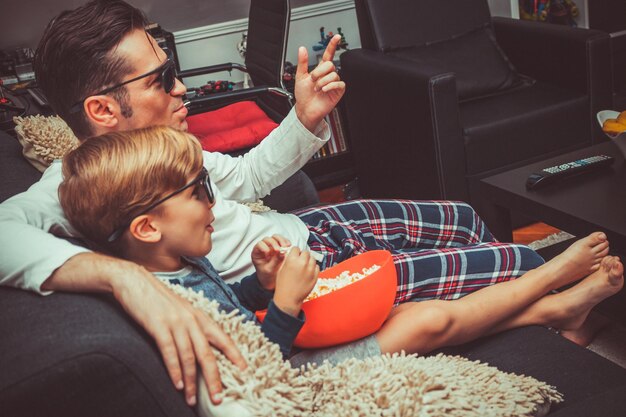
pixel 616 275
pixel 607 262
pixel 602 249
pixel 597 238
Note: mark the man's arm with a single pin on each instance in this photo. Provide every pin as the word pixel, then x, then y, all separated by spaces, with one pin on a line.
pixel 183 333
pixel 29 253
pixel 267 165
pixel 292 143
pixel 319 91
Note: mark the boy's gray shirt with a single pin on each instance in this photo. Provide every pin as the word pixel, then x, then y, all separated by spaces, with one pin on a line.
pixel 247 296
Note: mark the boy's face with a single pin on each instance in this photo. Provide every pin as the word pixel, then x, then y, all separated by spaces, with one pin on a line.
pixel 150 104
pixel 185 223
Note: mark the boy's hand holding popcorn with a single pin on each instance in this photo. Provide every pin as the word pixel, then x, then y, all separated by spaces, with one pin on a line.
pixel 267 258
pixel 287 270
pixel 295 280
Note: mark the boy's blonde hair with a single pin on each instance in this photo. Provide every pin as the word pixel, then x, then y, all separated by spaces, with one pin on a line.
pixel 109 178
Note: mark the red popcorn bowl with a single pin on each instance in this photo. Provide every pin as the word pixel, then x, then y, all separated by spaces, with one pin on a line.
pixel 354 311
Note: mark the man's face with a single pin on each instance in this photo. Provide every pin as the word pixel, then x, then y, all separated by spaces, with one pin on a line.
pixel 149 102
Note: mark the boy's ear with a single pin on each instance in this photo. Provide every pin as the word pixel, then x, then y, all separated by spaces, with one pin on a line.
pixel 102 110
pixel 145 230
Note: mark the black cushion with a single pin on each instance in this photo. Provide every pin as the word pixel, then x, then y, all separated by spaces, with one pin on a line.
pixel 296 192
pixel 480 66
pixel 16 173
pixel 522 124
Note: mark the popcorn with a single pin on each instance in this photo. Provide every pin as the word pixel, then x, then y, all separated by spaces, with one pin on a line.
pixel 325 286
pixel 315 255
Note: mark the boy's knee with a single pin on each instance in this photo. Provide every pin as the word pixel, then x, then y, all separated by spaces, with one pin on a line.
pixel 436 321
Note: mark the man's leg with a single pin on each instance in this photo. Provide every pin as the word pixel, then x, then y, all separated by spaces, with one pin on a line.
pixel 441 250
pixel 422 327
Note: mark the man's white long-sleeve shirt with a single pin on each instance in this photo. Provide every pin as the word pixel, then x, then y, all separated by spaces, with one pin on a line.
pixel 31 223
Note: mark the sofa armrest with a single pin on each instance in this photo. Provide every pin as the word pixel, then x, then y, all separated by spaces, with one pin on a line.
pixel 573 58
pixel 404 127
pixel 77 355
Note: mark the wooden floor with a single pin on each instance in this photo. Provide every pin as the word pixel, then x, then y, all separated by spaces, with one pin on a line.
pixel 523 235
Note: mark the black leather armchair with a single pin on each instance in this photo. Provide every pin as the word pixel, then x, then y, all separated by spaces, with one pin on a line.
pixel 442 95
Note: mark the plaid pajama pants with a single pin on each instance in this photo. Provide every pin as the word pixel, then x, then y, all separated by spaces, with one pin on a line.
pixel 441 249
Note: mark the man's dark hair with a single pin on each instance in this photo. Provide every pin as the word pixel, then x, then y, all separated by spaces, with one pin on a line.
pixel 76 57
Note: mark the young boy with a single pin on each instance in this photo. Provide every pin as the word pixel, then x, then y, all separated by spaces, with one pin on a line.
pixel 123 193
pixel 145 196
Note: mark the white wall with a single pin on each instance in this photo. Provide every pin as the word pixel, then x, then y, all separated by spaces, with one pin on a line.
pixel 23 21
pixel 214 44
pixel 502 7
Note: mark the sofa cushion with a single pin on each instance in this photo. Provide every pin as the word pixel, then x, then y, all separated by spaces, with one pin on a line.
pixel 582 376
pixel 519 125
pixel 76 355
pixel 475 77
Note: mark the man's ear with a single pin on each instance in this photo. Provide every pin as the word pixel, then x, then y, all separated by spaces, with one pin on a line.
pixel 144 229
pixel 102 111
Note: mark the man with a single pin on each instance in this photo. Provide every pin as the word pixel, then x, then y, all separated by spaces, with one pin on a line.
pixel 82 53
pixel 101 72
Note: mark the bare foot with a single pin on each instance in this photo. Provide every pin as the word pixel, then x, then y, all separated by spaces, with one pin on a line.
pixel 587 332
pixel 582 258
pixel 573 305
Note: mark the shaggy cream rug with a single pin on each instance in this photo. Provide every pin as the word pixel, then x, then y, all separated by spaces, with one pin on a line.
pixel 391 385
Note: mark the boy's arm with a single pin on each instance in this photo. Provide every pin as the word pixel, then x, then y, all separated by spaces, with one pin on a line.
pixel 295 280
pixel 279 326
pixel 251 294
pixel 282 328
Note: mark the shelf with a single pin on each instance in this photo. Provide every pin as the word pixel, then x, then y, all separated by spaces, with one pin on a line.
pixel 336 166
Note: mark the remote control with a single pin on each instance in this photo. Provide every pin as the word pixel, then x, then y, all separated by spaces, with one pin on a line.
pixel 558 172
